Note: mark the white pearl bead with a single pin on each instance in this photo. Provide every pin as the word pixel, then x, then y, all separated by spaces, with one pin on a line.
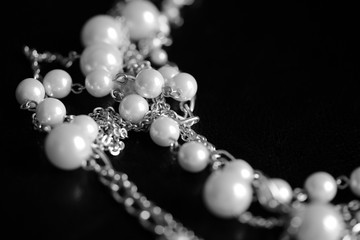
pixel 185 84
pixel 158 56
pixel 50 111
pixel 66 146
pixel 193 156
pixel 102 29
pixel 88 126
pixel 319 221
pixel 240 167
pixel 133 108
pixel 164 131
pixel 142 18
pixel 226 194
pixel 149 83
pixel 320 186
pixel 29 89
pixel 283 193
pixel 355 181
pixel 57 83
pixel 101 56
pixel 168 72
pixel 99 83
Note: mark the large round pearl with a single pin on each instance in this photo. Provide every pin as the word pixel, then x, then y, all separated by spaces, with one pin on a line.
pixel 168 72
pixel 149 83
pixel 101 56
pixel 320 186
pixel 226 194
pixel 240 167
pixel 319 221
pixel 141 18
pixel 193 156
pixel 57 83
pixel 355 181
pixel 88 126
pixel 164 131
pixel 133 108
pixel 99 83
pixel 102 29
pixel 29 89
pixel 185 84
pixel 158 56
pixel 66 146
pixel 50 111
pixel 283 192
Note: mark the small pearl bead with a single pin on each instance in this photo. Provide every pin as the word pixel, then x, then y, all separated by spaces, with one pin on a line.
pixel 283 190
pixel 50 111
pixel 66 146
pixel 57 83
pixel 133 108
pixel 29 89
pixel 355 181
pixel 158 56
pixel 101 56
pixel 102 29
pixel 164 131
pixel 88 126
pixel 240 167
pixel 226 194
pixel 142 19
pixel 319 221
pixel 168 72
pixel 321 186
pixel 186 84
pixel 99 83
pixel 149 83
pixel 193 156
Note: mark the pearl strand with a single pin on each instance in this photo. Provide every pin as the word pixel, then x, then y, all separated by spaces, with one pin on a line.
pixel 233 184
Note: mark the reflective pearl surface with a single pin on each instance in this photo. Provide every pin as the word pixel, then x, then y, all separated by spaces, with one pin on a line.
pixel 50 111
pixel 186 84
pixel 320 186
pixel 319 221
pixel 355 182
pixel 57 83
pixel 226 194
pixel 101 56
pixel 168 72
pixel 102 29
pixel 29 89
pixel 283 190
pixel 142 18
pixel 99 83
pixel 193 156
pixel 149 83
pixel 240 167
pixel 164 131
pixel 158 56
pixel 66 146
pixel 133 108
pixel 87 125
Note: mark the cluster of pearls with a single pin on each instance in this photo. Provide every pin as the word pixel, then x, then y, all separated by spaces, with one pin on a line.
pixel 232 185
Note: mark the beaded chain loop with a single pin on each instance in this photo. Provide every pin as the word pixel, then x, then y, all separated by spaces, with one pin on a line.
pixel 124 57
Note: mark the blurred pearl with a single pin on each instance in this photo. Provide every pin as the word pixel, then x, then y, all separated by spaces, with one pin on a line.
pixel 283 190
pixel 240 167
pixel 193 156
pixel 88 126
pixel 50 111
pixel 226 194
pixel 321 186
pixel 319 221
pixel 101 56
pixel 355 181
pixel 57 83
pixel 29 89
pixel 142 18
pixel 99 83
pixel 168 72
pixel 133 108
pixel 149 83
pixel 158 56
pixel 102 29
pixel 186 84
pixel 164 131
pixel 66 146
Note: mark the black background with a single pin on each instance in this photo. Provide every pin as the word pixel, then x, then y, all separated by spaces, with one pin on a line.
pixel 278 87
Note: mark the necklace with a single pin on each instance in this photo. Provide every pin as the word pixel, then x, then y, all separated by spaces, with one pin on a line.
pixel 142 92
